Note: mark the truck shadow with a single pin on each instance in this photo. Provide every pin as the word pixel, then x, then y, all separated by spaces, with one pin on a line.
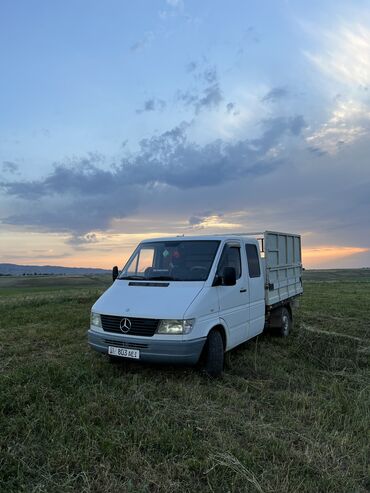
pixel 232 360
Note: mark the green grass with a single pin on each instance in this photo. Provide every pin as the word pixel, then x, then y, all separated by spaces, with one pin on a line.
pixel 23 285
pixel 288 415
pixel 358 275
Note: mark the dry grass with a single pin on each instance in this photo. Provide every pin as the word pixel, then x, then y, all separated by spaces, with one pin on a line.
pixel 288 415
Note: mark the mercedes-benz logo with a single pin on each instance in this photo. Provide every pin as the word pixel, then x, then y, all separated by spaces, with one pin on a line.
pixel 125 325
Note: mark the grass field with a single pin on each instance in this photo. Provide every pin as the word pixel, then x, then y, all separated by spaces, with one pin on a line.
pixel 288 415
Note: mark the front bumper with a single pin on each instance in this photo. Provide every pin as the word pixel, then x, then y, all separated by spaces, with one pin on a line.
pixel 151 350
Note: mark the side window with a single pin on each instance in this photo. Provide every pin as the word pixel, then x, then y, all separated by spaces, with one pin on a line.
pixel 253 260
pixel 230 258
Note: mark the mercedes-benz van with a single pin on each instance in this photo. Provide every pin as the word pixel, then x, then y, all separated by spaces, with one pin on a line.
pixel 191 299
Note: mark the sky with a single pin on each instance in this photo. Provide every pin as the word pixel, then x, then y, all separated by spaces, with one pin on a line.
pixel 124 120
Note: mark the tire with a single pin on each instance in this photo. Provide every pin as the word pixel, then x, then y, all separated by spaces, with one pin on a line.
pixel 214 354
pixel 286 324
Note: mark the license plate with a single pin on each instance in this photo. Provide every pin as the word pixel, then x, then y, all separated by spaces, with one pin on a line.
pixel 124 352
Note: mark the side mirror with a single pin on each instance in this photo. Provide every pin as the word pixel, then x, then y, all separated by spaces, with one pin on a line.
pixel 114 273
pixel 229 276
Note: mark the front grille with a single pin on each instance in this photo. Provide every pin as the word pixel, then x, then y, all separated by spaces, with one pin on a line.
pixel 139 326
pixel 127 345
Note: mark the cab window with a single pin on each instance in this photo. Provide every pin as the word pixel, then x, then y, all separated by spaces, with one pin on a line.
pixel 253 260
pixel 230 258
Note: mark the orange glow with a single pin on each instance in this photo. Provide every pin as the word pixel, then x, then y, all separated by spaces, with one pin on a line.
pixel 108 249
pixel 313 257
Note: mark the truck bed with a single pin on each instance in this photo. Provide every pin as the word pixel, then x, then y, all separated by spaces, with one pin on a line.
pixel 281 253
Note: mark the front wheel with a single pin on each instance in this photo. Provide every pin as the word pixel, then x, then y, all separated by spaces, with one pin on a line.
pixel 214 354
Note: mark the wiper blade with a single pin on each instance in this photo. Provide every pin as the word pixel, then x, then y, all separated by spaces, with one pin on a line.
pixel 132 278
pixel 161 278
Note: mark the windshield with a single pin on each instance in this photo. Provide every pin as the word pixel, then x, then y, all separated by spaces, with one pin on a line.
pixel 172 261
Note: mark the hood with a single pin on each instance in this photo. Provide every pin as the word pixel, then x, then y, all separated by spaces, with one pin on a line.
pixel 166 301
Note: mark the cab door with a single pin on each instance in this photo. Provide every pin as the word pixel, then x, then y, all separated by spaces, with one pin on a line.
pixel 234 300
pixel 256 290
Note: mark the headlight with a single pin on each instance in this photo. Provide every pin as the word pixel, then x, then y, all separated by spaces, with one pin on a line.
pixel 95 319
pixel 175 326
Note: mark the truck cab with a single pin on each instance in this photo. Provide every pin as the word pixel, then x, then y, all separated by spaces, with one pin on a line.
pixel 184 300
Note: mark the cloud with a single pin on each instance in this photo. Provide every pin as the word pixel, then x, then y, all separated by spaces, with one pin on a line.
pixel 191 66
pixel 276 94
pixel 152 104
pixel 209 96
pixel 345 54
pixel 344 58
pixel 210 75
pixel 197 219
pixel 210 220
pixel 231 109
pixel 81 197
pixel 349 121
pixel 87 238
pixel 10 167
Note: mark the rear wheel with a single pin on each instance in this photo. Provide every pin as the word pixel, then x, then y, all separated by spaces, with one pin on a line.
pixel 281 321
pixel 214 354
pixel 286 323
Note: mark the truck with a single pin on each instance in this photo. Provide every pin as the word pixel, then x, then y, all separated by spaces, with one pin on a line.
pixel 192 299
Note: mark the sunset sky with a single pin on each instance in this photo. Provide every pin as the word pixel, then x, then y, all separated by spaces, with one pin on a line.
pixel 122 120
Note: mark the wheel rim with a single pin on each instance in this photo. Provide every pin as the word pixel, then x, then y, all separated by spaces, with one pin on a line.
pixel 285 325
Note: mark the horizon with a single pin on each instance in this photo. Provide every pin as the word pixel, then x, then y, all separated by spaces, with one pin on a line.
pixel 108 270
pixel 123 121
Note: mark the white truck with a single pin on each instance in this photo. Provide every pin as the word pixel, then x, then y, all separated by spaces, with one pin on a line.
pixel 192 299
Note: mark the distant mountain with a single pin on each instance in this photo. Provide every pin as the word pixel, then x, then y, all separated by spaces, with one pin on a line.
pixel 19 270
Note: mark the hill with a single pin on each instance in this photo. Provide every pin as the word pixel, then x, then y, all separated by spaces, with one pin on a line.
pixel 20 270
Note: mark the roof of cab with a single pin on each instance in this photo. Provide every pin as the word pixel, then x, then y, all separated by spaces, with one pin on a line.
pixel 200 237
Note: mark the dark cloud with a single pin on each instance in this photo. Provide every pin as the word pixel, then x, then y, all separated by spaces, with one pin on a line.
pixel 317 151
pixel 197 219
pixel 231 109
pixel 209 94
pixel 152 105
pixel 67 213
pixel 208 98
pixel 211 98
pixel 81 196
pixel 210 75
pixel 276 94
pixel 192 66
pixel 297 124
pixel 10 167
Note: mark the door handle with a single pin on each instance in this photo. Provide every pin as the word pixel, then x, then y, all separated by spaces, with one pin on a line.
pixel 243 290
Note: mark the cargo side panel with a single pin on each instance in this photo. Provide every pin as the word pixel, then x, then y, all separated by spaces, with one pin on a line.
pixel 283 262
